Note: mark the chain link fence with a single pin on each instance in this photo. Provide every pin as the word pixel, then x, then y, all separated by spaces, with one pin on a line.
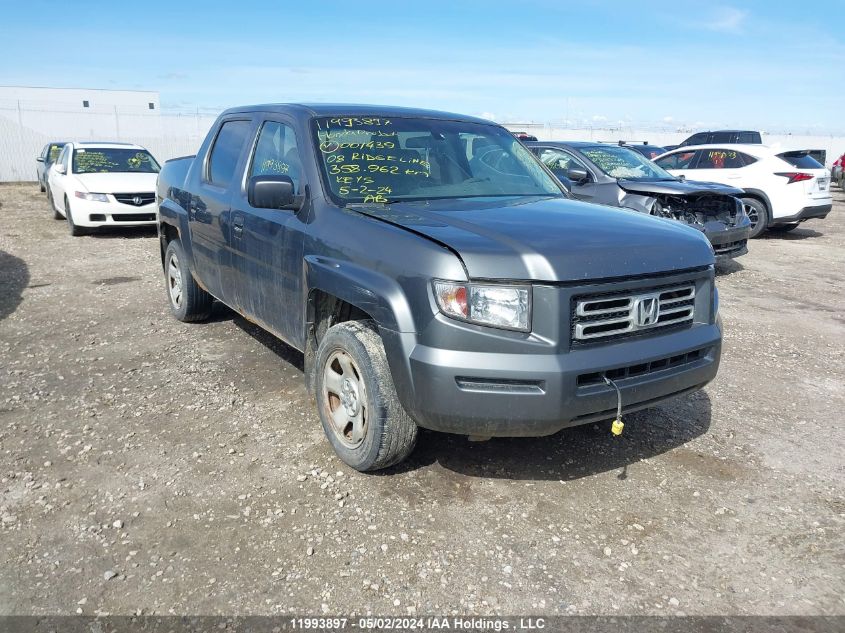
pixel 25 130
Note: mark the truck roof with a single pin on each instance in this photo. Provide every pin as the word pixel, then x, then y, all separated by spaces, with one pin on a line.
pixel 352 109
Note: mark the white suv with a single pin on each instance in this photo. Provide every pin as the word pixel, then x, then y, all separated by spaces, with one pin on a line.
pixel 103 184
pixel 782 188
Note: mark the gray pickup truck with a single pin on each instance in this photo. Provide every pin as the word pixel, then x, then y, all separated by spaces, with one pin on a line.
pixel 434 274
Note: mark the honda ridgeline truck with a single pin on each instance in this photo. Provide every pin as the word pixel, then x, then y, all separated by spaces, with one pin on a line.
pixel 434 274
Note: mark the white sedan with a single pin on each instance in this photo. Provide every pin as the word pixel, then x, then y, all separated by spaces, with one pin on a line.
pixel 782 188
pixel 103 184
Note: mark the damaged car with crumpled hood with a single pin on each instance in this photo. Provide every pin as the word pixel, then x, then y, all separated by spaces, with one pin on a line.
pixel 617 176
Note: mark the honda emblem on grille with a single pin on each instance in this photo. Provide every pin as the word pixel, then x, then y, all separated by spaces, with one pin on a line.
pixel 646 310
pixel 137 200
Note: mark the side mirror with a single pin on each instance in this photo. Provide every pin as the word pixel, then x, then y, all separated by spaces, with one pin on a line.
pixel 60 168
pixel 577 176
pixel 40 159
pixel 270 192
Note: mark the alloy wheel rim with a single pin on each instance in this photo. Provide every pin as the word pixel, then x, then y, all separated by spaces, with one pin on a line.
pixel 752 214
pixel 345 399
pixel 174 281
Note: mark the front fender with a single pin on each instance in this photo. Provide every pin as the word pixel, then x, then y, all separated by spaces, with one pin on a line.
pixel 635 202
pixel 375 293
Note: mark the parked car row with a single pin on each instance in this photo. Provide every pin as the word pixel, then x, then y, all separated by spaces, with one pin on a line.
pixel 618 176
pixel 438 272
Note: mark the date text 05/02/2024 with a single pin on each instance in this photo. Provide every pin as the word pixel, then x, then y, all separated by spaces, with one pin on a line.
pixel 429 623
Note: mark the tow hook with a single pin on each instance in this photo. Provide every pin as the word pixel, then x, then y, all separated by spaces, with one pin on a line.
pixel 617 425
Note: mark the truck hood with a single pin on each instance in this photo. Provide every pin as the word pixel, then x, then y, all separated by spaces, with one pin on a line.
pixel 676 187
pixel 119 182
pixel 545 239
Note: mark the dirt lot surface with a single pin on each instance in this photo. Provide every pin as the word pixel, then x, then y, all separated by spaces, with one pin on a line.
pixel 156 467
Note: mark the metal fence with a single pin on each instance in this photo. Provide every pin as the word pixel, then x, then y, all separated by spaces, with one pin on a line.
pixel 24 130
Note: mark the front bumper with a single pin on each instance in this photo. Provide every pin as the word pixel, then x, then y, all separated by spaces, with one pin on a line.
pixel 518 395
pixel 728 241
pixel 97 214
pixel 461 378
pixel 807 213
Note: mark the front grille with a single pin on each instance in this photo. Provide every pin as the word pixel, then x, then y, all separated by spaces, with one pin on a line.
pixel 729 247
pixel 133 217
pixel 135 199
pixel 613 315
pixel 641 369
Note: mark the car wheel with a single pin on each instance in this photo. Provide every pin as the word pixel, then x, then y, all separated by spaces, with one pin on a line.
pixel 362 417
pixel 41 186
pixel 757 214
pixel 785 228
pixel 56 214
pixel 76 231
pixel 188 302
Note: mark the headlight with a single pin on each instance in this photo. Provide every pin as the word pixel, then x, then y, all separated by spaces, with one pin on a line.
pixel 92 197
pixel 486 304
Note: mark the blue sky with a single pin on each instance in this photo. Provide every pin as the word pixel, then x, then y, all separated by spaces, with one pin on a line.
pixel 773 65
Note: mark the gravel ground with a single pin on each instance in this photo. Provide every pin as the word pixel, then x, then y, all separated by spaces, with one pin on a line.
pixel 156 467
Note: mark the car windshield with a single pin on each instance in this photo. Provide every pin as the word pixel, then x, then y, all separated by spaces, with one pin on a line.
pixel 98 160
pixel 621 162
pixel 382 160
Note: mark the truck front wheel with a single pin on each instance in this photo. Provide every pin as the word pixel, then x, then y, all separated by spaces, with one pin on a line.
pixel 356 399
pixel 188 302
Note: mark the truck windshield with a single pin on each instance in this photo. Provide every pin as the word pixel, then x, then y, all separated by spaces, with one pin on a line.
pixel 621 162
pixel 381 160
pixel 97 160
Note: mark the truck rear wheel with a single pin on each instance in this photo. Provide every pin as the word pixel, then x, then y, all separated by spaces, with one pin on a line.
pixel 188 302
pixel 362 417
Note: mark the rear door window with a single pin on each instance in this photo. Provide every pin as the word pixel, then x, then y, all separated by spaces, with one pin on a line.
pixel 721 137
pixel 720 159
pixel 802 160
pixel 746 159
pixel 224 156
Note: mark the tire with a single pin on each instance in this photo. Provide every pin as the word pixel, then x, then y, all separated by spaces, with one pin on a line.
pixel 758 214
pixel 362 417
pixel 56 214
pixel 41 187
pixel 785 228
pixel 75 231
pixel 188 302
